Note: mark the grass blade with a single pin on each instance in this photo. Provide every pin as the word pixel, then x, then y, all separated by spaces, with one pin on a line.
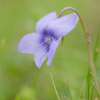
pixel 70 90
pixel 54 86
pixel 95 88
pixel 95 77
pixel 92 92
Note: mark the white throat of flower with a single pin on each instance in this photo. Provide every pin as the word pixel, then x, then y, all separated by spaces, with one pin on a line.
pixel 48 39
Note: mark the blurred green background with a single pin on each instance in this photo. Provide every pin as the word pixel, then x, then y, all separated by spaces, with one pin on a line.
pixel 17 70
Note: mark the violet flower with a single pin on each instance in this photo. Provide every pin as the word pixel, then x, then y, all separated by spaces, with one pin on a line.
pixel 44 43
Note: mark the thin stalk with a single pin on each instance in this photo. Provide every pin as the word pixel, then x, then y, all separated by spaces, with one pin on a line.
pixel 88 43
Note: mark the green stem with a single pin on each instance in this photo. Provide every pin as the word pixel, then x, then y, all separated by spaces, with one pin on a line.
pixel 88 43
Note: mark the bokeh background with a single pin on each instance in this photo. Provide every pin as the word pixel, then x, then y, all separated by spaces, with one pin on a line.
pixel 20 79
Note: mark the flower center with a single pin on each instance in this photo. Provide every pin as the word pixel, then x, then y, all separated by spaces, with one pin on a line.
pixel 48 39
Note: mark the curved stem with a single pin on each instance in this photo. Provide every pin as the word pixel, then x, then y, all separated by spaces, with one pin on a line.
pixel 88 43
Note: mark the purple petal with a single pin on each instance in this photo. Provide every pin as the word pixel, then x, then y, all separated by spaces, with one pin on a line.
pixel 53 46
pixel 29 43
pixel 40 59
pixel 62 26
pixel 41 54
pixel 44 21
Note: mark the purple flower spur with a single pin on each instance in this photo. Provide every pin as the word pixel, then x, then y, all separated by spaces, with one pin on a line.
pixel 44 43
